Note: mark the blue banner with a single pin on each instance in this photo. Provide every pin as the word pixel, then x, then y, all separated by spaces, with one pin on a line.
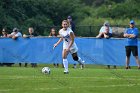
pixel 40 50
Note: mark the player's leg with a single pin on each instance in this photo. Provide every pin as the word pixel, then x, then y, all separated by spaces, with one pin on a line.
pixel 57 64
pixel 128 53
pixel 137 61
pixel 78 59
pixel 54 64
pixel 135 54
pixel 74 65
pixel 26 64
pixel 20 64
pixel 65 61
pixel 127 62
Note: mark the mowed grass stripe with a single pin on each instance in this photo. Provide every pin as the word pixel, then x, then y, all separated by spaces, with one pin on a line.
pixel 31 80
pixel 6 77
pixel 55 88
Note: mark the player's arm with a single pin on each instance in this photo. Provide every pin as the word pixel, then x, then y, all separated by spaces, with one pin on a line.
pixel 125 35
pixel 11 35
pixel 72 36
pixel 129 35
pixel 16 36
pixel 58 42
pixel 134 34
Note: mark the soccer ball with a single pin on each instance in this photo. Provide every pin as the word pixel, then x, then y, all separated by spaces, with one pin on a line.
pixel 46 70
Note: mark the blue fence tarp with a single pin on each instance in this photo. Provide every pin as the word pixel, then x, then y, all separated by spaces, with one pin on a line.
pixel 40 50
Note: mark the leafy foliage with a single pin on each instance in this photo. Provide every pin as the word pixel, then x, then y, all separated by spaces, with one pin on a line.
pixel 42 14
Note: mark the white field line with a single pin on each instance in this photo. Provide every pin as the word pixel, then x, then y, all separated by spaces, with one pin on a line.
pixel 58 88
pixel 51 77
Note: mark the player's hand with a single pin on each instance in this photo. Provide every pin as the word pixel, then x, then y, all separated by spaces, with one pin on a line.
pixel 126 35
pixel 54 46
pixel 68 49
pixel 14 37
pixel 132 36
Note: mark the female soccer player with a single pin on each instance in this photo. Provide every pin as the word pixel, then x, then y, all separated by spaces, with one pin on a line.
pixel 67 36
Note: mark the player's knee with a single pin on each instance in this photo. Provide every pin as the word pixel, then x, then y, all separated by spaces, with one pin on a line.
pixel 75 58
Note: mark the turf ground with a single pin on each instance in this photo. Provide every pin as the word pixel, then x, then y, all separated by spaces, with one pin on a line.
pixel 90 80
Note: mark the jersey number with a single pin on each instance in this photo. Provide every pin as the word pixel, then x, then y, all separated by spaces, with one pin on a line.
pixel 66 40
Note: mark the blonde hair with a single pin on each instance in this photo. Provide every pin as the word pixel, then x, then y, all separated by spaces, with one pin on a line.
pixel 31 29
pixel 66 22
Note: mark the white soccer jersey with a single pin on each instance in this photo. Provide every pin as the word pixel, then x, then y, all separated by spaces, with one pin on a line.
pixel 67 39
pixel 17 34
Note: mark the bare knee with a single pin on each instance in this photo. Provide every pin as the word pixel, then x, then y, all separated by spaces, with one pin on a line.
pixel 64 54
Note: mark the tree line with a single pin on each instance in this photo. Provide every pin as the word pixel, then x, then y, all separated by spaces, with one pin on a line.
pixel 44 14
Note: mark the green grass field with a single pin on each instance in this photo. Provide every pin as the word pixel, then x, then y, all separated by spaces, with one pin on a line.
pixel 90 80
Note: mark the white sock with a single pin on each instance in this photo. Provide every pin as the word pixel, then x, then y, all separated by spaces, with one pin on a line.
pixel 65 63
pixel 80 61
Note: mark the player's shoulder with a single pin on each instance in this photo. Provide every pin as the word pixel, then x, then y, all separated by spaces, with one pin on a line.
pixel 128 29
pixel 102 28
pixel 69 30
pixel 60 31
pixel 136 28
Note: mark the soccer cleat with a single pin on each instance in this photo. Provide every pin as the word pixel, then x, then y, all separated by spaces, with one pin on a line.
pixel 82 65
pixel 108 66
pixel 66 72
pixel 128 67
pixel 74 66
pixel 115 67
